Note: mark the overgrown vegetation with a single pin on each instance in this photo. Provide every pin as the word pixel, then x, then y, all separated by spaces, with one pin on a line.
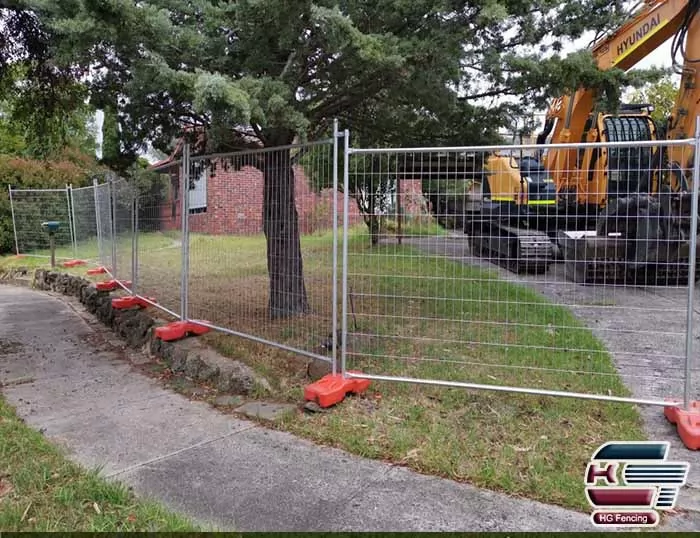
pixel 40 490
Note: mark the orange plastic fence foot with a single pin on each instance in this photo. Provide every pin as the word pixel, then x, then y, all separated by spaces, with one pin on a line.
pixel 121 303
pixel 74 263
pixel 687 423
pixel 97 271
pixel 671 411
pixel 332 389
pixel 177 330
pixel 111 285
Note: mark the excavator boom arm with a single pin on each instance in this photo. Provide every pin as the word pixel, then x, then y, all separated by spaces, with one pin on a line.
pixel 647 29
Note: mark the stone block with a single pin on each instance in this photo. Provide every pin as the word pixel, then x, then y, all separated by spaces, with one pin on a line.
pixel 194 365
pixel 265 410
pixel 178 357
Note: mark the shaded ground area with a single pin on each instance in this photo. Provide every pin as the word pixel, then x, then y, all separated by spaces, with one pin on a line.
pixel 81 392
pixel 643 328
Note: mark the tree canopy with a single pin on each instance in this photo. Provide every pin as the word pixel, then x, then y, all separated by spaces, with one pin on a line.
pixel 395 72
pixel 661 95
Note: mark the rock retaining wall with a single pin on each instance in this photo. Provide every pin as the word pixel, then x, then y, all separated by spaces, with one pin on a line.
pixel 189 357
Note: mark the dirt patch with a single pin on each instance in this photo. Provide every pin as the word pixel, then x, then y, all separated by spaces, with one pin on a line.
pixel 6 487
pixel 8 347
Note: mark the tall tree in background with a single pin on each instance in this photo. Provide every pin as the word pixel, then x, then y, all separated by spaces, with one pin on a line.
pixel 43 100
pixel 393 71
pixel 661 94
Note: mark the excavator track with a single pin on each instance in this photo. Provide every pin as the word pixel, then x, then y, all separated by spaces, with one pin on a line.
pixel 596 260
pixel 635 242
pixel 517 249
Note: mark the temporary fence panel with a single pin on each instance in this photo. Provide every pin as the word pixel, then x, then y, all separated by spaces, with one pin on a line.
pixel 103 213
pixel 123 196
pixel 84 219
pixel 474 267
pixel 158 243
pixel 261 229
pixel 542 303
pixel 30 209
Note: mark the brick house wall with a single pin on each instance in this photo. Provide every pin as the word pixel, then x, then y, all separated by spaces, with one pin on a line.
pixel 234 202
pixel 413 203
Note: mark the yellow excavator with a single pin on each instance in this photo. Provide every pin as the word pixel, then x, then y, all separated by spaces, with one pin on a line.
pixel 612 213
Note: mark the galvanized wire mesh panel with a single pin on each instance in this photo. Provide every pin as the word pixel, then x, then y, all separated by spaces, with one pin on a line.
pixel 159 244
pixel 84 215
pixel 31 208
pixel 103 213
pixel 498 280
pixel 261 245
pixel 123 196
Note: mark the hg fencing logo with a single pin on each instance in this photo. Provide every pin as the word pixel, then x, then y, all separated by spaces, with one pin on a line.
pixel 649 483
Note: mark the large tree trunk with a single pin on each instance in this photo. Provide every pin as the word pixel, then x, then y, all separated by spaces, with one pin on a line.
pixel 281 227
pixel 374 228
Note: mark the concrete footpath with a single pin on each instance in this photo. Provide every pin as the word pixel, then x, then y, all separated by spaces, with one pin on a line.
pixel 68 379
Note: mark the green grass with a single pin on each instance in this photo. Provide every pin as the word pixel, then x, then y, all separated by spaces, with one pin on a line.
pixel 444 320
pixel 40 490
pixel 413 226
pixel 421 316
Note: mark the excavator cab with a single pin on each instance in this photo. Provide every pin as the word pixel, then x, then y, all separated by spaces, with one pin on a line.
pixel 605 174
pixel 518 180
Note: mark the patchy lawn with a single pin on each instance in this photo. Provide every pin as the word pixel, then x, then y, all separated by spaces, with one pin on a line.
pixel 424 316
pixel 40 490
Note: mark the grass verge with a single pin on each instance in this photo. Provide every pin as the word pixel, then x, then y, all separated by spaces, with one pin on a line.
pixel 422 316
pixel 40 490
pixel 427 317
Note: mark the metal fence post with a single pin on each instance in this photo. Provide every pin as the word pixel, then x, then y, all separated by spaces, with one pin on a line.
pixel 346 226
pixel 14 224
pixel 71 229
pixel 113 225
pixel 98 221
pixel 72 218
pixel 335 248
pixel 134 244
pixel 185 205
pixel 691 268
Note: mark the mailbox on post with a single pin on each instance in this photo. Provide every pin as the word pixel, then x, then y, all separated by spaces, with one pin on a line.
pixel 52 227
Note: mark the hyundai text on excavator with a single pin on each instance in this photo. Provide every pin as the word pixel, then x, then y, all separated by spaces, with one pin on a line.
pixel 614 213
